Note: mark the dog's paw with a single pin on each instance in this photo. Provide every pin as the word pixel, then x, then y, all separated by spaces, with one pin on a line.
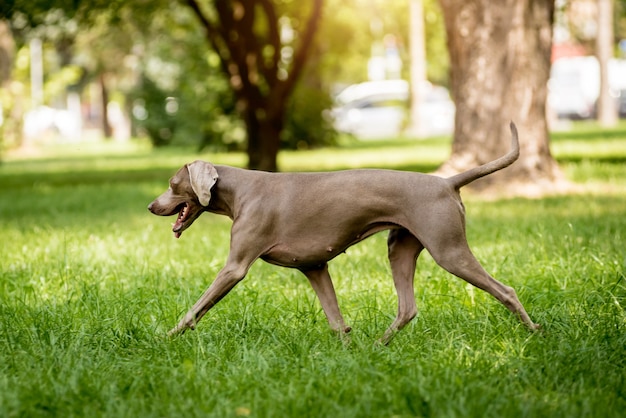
pixel 179 330
pixel 174 332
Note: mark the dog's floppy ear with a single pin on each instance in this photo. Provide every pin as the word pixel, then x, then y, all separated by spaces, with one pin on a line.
pixel 202 176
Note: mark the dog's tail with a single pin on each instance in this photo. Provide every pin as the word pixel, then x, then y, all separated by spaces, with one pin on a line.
pixel 473 174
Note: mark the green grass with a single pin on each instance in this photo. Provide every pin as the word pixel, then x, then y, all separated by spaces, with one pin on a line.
pixel 91 282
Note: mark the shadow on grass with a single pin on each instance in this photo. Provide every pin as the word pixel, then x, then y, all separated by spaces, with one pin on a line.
pixel 85 177
pixel 159 165
pixel 618 160
pixel 418 168
pixel 162 174
pixel 396 143
pixel 590 134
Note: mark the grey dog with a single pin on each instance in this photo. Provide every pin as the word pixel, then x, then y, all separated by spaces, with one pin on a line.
pixel 303 220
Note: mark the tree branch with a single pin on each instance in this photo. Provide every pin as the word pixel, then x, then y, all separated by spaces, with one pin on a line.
pixel 237 32
pixel 270 70
pixel 212 34
pixel 253 77
pixel 285 88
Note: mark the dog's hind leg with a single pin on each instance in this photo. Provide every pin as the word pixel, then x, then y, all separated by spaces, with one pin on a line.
pixel 323 285
pixel 456 257
pixel 403 250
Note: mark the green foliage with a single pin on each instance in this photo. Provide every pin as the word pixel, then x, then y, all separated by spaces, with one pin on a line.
pixel 90 282
pixel 150 51
pixel 306 124
pixel 351 29
pixel 154 112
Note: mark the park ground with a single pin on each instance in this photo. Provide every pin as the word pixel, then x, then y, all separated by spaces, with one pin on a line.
pixel 90 282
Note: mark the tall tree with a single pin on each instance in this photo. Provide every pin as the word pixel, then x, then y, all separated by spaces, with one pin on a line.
pixel 605 43
pixel 261 65
pixel 500 65
pixel 418 65
pixel 7 51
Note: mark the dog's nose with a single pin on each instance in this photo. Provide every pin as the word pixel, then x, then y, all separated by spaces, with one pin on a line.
pixel 150 206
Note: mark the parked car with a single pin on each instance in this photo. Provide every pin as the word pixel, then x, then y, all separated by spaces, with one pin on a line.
pixel 574 85
pixel 379 109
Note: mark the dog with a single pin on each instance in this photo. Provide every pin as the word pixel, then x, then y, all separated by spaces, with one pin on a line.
pixel 304 220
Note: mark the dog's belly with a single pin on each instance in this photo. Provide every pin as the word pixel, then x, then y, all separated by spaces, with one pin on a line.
pixel 311 252
pixel 303 258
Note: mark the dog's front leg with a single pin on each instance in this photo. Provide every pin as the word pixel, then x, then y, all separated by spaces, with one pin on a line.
pixel 322 284
pixel 226 279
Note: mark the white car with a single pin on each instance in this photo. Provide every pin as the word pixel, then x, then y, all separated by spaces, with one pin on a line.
pixel 574 85
pixel 379 109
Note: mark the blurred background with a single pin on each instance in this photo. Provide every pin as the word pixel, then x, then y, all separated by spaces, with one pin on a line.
pixel 73 71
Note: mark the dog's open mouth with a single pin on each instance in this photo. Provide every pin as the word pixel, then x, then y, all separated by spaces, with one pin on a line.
pixel 178 226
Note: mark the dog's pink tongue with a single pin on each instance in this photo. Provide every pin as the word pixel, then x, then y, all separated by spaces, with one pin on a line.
pixel 178 225
pixel 176 228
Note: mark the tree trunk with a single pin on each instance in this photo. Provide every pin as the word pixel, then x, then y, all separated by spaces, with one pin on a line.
pixel 500 65
pixel 263 139
pixel 607 109
pixel 107 131
pixel 7 51
pixel 11 112
pixel 418 67
pixel 250 56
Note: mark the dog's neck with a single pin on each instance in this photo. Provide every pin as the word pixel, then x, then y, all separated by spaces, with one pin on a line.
pixel 224 196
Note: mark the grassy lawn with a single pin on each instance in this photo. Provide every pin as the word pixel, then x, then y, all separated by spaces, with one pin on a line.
pixel 90 282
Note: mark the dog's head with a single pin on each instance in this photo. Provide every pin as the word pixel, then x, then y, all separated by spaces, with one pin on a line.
pixel 188 195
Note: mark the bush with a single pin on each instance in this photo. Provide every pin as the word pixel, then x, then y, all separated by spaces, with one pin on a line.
pixel 306 125
pixel 191 114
